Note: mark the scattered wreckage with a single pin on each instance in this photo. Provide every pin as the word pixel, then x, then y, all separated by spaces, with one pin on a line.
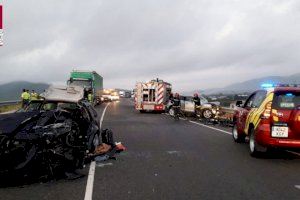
pixel 207 110
pixel 55 134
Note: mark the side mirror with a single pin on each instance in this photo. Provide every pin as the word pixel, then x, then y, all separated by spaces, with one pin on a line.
pixel 239 103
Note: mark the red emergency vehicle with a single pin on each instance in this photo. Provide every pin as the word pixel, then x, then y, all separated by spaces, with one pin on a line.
pixel 152 96
pixel 270 117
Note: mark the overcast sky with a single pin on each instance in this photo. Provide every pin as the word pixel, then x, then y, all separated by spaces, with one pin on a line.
pixel 195 44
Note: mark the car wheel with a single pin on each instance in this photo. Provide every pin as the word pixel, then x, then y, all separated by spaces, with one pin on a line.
pixel 207 114
pixel 171 112
pixel 255 149
pixel 239 138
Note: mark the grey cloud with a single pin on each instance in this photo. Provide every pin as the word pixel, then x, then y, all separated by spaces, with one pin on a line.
pixel 193 43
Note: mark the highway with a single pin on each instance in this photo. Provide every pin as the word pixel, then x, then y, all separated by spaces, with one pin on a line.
pixel 168 159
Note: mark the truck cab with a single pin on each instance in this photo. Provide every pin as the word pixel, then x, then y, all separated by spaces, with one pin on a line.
pixel 91 81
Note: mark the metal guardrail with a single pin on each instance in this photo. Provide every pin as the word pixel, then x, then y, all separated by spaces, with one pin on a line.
pixel 7 103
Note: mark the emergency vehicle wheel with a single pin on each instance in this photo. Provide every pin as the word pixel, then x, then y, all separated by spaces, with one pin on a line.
pixel 255 149
pixel 238 138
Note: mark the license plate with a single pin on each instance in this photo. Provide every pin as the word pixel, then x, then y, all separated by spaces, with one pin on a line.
pixel 148 107
pixel 280 131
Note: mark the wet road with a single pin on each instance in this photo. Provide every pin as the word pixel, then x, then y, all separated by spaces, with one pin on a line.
pixel 167 159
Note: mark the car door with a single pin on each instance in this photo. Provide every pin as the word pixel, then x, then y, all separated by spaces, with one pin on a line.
pixel 250 108
pixel 189 105
pixel 244 112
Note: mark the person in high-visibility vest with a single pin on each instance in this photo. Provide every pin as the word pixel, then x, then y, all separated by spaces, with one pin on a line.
pixel 25 96
pixel 90 97
pixel 34 95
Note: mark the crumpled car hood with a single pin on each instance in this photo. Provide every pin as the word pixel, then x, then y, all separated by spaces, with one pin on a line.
pixel 9 122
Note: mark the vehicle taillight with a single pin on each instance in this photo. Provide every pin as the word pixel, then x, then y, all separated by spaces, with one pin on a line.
pixel 267 112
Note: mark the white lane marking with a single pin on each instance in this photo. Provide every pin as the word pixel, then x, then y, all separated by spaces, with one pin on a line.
pixel 104 164
pixel 173 152
pixel 90 182
pixel 102 116
pixel 297 186
pixel 295 153
pixel 229 133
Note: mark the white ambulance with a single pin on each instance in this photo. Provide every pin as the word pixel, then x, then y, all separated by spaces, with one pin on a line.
pixel 152 96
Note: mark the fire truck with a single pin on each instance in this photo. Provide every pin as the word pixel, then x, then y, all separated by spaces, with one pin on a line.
pixel 152 96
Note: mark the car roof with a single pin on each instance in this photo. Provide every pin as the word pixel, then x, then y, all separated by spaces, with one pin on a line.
pixel 280 89
pixel 72 94
pixel 288 89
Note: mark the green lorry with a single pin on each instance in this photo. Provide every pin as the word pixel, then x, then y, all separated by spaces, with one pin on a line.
pixel 91 81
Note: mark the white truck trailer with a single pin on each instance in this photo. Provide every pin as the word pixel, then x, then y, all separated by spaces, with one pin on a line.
pixel 152 96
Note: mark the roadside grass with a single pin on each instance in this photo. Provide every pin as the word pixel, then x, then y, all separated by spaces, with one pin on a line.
pixel 8 108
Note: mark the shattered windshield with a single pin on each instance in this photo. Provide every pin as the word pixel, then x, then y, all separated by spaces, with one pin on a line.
pixel 82 83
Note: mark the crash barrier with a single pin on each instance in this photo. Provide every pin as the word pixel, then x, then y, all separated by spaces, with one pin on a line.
pixel 8 103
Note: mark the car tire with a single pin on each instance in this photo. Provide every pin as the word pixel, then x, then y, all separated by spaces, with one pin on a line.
pixel 171 112
pixel 238 138
pixel 255 149
pixel 207 114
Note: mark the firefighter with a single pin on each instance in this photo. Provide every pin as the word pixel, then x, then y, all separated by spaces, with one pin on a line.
pixel 196 100
pixel 34 95
pixel 171 97
pixel 176 104
pixel 176 100
pixel 25 96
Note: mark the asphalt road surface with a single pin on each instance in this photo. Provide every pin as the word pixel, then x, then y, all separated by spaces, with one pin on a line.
pixel 168 159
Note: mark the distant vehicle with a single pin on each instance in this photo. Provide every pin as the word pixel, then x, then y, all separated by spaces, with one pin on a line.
pixel 125 94
pixel 122 93
pixel 110 95
pixel 89 80
pixel 270 117
pixel 49 135
pixel 152 96
pixel 114 96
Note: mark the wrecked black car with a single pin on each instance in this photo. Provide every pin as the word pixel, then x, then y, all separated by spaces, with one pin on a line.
pixel 55 134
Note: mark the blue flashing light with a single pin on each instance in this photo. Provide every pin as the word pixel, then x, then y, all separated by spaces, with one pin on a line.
pixel 289 94
pixel 267 85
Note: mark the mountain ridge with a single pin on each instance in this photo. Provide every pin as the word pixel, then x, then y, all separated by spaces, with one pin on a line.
pixel 252 84
pixel 12 90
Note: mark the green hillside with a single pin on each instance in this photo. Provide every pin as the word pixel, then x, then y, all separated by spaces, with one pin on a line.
pixel 13 90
